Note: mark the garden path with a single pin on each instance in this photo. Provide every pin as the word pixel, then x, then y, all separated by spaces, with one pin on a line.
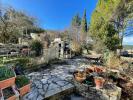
pixel 49 82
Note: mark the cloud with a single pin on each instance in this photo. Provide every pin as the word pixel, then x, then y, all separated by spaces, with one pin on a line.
pixel 128 40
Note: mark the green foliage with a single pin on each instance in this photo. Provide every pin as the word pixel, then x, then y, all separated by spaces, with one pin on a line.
pixel 101 28
pixel 34 30
pixel 76 21
pixel 109 36
pixel 16 60
pixel 83 32
pixel 118 12
pixel 37 46
pixel 14 23
pixel 84 23
pixel 6 73
pixel 21 81
pixel 23 62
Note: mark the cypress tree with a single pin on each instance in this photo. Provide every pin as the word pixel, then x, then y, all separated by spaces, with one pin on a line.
pixel 84 27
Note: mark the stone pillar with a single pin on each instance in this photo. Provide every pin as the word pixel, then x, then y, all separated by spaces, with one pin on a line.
pixel 62 51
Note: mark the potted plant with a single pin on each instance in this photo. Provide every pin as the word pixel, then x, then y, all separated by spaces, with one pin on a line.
pixel 80 76
pixel 7 77
pixel 99 81
pixel 95 69
pixel 99 69
pixel 8 94
pixel 23 84
pixel 89 70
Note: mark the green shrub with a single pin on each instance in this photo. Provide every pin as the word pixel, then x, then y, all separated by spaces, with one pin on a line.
pixel 37 46
pixel 6 73
pixel 22 81
pixel 23 62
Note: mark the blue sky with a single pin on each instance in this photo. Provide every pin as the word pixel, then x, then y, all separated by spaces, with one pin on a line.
pixel 128 40
pixel 56 14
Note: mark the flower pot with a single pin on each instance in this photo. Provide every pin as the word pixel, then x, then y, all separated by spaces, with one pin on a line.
pixel 80 79
pixel 80 76
pixel 99 69
pixel 25 89
pixel 95 69
pixel 89 70
pixel 99 81
pixel 7 83
pixel 12 98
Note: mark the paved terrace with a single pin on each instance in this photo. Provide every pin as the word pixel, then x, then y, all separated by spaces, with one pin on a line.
pixel 49 82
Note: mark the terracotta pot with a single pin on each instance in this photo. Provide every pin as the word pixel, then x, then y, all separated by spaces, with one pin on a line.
pixel 99 69
pixel 99 81
pixel 12 98
pixel 80 76
pixel 80 79
pixel 89 70
pixel 25 89
pixel 7 83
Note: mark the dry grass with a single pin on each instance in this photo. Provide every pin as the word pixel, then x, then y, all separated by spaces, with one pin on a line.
pixel 114 62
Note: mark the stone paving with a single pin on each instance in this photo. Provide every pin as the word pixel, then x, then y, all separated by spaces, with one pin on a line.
pixel 53 81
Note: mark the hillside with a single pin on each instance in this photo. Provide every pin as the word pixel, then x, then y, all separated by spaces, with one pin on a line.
pixel 128 46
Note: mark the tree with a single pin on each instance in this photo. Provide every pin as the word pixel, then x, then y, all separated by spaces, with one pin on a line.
pixel 75 27
pixel 122 17
pixel 37 46
pixel 108 21
pixel 101 28
pixel 84 26
pixel 65 36
pixel 12 22
pixel 76 21
pixel 110 36
pixel 74 31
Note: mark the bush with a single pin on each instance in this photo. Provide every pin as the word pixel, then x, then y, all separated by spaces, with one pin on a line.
pixel 23 62
pixel 6 73
pixel 22 81
pixel 87 47
pixel 18 62
pixel 37 46
pixel 113 61
pixel 98 46
pixel 76 47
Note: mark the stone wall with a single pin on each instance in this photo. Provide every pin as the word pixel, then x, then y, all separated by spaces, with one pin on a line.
pixel 109 92
pixel 48 55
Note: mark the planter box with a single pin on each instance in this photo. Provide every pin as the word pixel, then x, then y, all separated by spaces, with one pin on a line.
pixel 25 89
pixel 7 83
pixel 12 98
